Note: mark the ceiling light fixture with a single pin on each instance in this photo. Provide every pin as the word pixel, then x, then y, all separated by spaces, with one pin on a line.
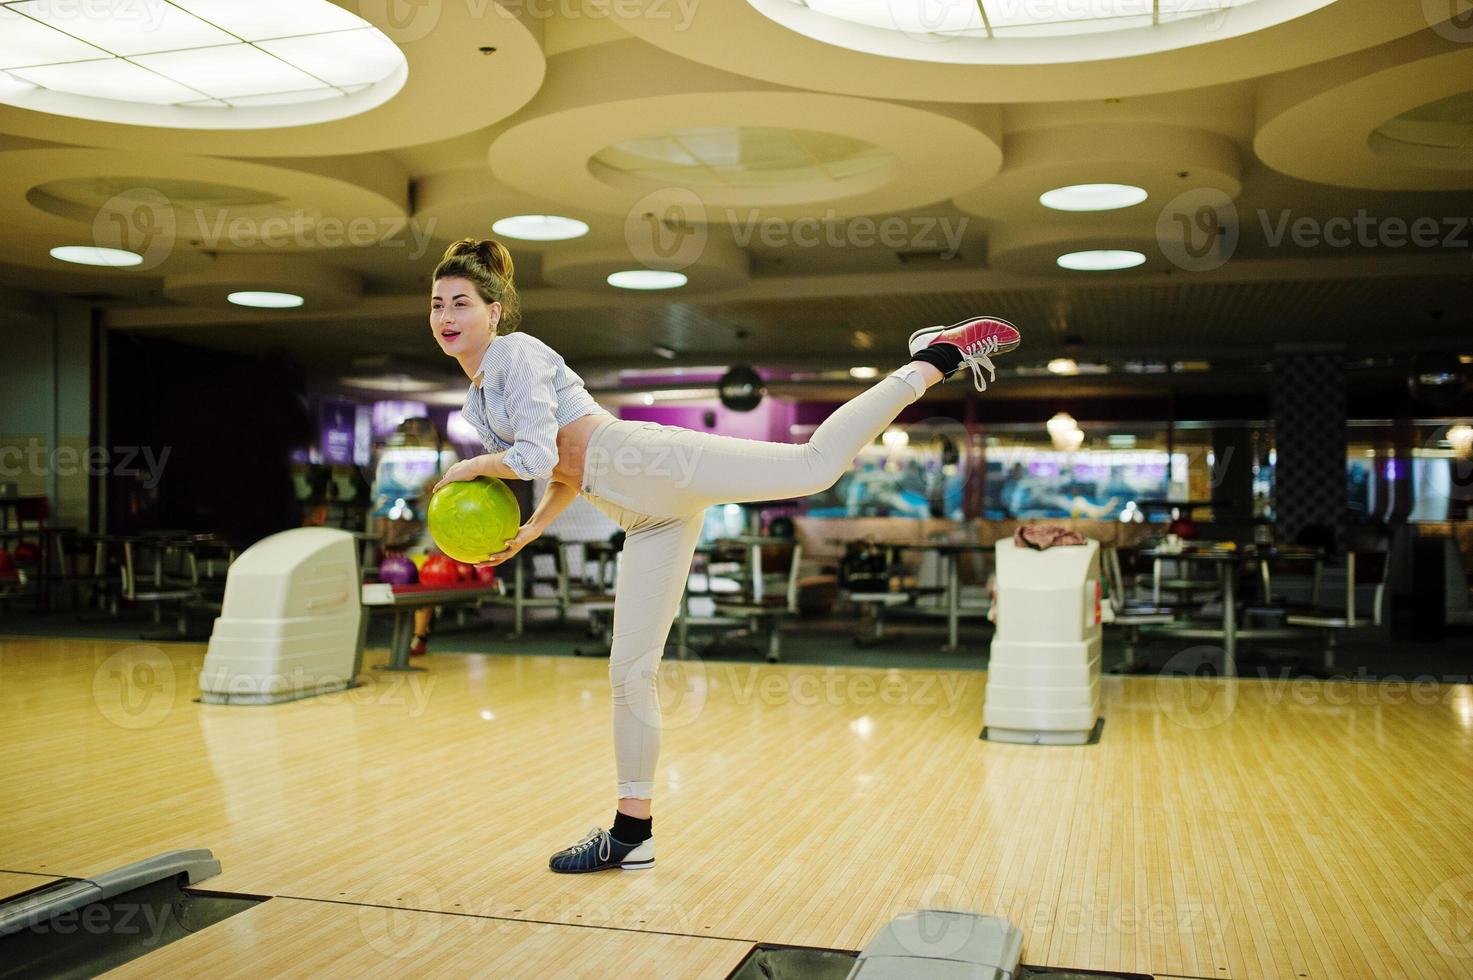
pixel 1101 260
pixel 647 279
pixel 265 299
pixel 540 227
pixel 116 258
pixel 1093 197
pixel 189 59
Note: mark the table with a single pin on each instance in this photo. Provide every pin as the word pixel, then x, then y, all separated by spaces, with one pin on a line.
pixel 404 599
pixel 949 553
pixel 1227 562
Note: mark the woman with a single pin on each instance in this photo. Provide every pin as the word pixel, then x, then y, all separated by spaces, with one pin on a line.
pixel 534 415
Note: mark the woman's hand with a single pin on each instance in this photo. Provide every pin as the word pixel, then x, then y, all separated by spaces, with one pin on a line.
pixel 466 469
pixel 526 534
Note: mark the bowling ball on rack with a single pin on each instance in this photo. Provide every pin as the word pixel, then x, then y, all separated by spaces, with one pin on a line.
pixel 397 569
pixel 439 570
pixel 471 520
pixel 27 553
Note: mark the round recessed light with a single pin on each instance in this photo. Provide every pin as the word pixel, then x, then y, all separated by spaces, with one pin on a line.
pixel 540 227
pixel 1093 197
pixel 863 373
pixel 1063 365
pixel 646 279
pixel 1141 26
pixel 265 300
pixel 214 64
pixel 115 258
pixel 1101 260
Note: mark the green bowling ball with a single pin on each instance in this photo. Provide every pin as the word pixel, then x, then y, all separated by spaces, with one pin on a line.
pixel 471 520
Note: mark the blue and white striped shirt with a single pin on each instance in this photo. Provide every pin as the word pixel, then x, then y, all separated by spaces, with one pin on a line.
pixel 522 395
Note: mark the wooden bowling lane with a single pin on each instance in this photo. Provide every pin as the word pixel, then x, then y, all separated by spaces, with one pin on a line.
pixel 287 937
pixel 1220 829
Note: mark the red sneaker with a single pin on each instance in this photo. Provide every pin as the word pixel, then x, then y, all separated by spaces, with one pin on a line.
pixel 978 339
pixel 419 646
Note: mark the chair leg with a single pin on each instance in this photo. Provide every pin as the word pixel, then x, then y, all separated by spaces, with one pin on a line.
pixel 774 644
pixel 1329 663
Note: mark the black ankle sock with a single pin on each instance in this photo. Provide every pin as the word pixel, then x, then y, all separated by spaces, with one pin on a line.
pixel 632 830
pixel 946 358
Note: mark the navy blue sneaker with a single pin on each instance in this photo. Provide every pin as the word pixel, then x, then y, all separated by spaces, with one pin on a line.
pixel 600 850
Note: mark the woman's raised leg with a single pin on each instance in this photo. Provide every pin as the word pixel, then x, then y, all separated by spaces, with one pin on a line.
pixel 670 470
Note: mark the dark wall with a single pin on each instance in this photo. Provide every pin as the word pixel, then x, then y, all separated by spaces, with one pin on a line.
pixel 228 423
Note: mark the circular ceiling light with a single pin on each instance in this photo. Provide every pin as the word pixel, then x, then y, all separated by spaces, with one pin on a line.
pixel 1093 197
pixel 743 156
pixel 646 279
pixel 1101 260
pixel 265 300
pixel 1009 18
pixel 116 258
pixel 863 373
pixel 269 64
pixel 540 227
pixel 1063 365
pixel 1036 31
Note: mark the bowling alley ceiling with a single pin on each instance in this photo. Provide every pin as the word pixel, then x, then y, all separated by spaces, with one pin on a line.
pixel 825 182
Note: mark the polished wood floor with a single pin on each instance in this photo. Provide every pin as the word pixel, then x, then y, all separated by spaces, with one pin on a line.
pixel 1232 830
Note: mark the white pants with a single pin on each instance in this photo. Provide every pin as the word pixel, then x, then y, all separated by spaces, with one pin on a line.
pixel 656 481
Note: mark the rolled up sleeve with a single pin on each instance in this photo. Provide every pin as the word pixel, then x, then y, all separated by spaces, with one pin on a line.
pixel 531 406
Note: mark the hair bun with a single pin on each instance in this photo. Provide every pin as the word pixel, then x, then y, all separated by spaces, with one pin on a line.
pixel 491 253
pixel 470 246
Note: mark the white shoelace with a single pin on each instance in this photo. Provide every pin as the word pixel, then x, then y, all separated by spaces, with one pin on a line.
pixel 978 360
pixel 599 836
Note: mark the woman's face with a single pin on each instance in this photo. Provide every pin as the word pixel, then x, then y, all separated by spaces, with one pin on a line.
pixel 460 320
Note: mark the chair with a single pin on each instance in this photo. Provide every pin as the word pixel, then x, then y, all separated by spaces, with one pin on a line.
pixel 150 554
pixel 526 577
pixel 1362 568
pixel 1180 580
pixel 767 572
pixel 1127 614
pixel 596 596
pixel 82 563
pixel 865 573
pixel 1274 602
pixel 208 560
pixel 35 512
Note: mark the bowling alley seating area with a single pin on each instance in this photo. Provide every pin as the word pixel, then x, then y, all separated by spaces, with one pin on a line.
pixel 925 599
